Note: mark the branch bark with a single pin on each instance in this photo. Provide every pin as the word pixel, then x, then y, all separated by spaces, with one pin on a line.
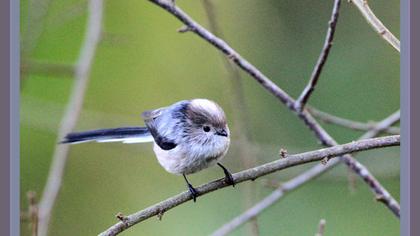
pixel 310 87
pixel 71 115
pixel 297 182
pixel 272 88
pixel 351 124
pixel 252 174
pixel 376 24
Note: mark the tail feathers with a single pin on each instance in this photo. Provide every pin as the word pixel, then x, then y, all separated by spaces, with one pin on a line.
pixel 124 134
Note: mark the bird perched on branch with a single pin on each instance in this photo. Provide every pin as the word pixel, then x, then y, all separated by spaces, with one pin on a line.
pixel 188 136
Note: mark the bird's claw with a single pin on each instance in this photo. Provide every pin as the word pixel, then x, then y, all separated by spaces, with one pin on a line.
pixel 229 178
pixel 193 192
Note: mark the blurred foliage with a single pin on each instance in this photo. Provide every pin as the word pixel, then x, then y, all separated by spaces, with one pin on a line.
pixel 143 63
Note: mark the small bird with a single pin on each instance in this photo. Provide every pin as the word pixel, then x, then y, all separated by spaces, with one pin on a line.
pixel 188 136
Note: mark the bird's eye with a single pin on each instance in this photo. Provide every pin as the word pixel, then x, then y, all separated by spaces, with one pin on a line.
pixel 206 128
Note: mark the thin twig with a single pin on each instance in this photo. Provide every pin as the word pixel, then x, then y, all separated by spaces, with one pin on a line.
pixel 243 136
pixel 310 87
pixel 254 173
pixel 376 24
pixel 351 180
pixel 82 71
pixel 321 227
pixel 296 182
pixel 33 212
pixel 381 126
pixel 351 124
pixel 282 96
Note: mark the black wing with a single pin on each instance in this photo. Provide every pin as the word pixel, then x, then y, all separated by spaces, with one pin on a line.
pixel 150 121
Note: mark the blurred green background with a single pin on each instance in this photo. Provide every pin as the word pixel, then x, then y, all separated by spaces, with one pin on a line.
pixel 143 63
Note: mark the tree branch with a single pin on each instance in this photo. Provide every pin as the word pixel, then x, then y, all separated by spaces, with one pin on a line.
pixel 32 213
pixel 271 87
pixel 383 125
pixel 351 124
pixel 252 174
pixel 376 24
pixel 82 70
pixel 297 182
pixel 310 87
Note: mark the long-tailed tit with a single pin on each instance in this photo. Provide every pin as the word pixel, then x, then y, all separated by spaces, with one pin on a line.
pixel 188 136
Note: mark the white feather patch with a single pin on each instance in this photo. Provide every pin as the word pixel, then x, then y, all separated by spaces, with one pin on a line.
pixel 145 139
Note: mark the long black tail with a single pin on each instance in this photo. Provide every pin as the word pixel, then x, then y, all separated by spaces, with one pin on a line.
pixel 123 134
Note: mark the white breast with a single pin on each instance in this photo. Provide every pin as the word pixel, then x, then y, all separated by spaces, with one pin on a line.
pixel 188 160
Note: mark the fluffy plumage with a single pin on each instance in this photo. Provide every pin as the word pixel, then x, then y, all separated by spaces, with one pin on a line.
pixel 188 136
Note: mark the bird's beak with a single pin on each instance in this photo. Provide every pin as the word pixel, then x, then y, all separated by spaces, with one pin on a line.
pixel 222 132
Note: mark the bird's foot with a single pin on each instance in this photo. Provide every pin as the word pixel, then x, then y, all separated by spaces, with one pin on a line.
pixel 228 176
pixel 193 192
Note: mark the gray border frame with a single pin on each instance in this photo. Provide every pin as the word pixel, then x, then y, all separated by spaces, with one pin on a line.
pixel 5 118
pixel 14 118
pixel 410 73
pixel 9 101
pixel 414 116
pixel 405 117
